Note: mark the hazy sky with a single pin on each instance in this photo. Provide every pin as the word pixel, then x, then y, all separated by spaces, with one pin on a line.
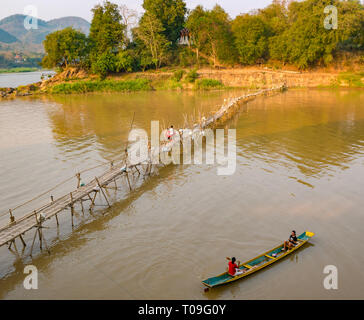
pixel 50 9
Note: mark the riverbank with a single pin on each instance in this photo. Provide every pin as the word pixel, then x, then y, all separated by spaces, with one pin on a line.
pixel 78 81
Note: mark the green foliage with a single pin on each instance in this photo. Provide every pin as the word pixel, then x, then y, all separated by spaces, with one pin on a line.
pixel 280 34
pixel 169 84
pixel 107 29
pixel 351 25
pixel 186 57
pixel 191 76
pixel 251 38
pixel 306 42
pixel 275 16
pixel 154 44
pixel 211 35
pixel 103 64
pixel 352 79
pixel 65 47
pixel 171 15
pixel 125 61
pixel 178 75
pixel 107 38
pixel 102 86
pixel 208 84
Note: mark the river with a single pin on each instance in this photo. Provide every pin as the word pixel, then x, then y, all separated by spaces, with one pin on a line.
pixel 16 79
pixel 300 165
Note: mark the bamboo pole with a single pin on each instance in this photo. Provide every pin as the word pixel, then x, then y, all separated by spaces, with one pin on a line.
pixel 93 201
pixel 83 211
pixel 72 208
pixel 12 219
pixel 102 191
pixel 22 240
pixel 127 177
pixel 31 249
pixel 40 238
pixel 52 200
pixel 78 175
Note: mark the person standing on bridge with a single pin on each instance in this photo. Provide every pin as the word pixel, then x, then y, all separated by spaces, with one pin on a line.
pixel 170 133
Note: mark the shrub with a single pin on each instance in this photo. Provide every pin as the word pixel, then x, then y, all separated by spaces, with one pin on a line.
pixel 206 84
pixel 178 75
pixel 352 79
pixel 104 64
pixel 192 76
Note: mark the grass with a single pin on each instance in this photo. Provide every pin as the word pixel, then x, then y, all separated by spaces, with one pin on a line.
pixel 20 69
pixel 102 86
pixel 169 84
pixel 352 79
pixel 208 84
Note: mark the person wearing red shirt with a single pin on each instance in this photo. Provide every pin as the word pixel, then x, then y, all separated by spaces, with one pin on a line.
pixel 234 268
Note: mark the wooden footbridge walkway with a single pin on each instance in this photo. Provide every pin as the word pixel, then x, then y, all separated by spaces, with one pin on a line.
pixel 16 228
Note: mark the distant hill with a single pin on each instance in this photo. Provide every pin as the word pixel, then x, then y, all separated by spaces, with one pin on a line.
pixel 12 30
pixel 6 37
pixel 76 22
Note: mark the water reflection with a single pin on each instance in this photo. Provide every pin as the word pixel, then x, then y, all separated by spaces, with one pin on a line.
pixel 316 132
pixel 103 120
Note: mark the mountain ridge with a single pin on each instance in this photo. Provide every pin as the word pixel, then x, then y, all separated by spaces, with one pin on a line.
pixel 15 35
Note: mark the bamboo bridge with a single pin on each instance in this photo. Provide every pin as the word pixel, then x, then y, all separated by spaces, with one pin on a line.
pixel 35 220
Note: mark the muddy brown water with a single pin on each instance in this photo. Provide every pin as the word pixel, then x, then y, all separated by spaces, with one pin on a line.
pixel 300 165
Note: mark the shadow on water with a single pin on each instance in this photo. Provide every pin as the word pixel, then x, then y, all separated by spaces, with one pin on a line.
pixel 216 293
pixel 78 237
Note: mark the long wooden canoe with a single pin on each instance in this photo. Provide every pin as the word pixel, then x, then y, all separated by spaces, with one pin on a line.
pixel 258 263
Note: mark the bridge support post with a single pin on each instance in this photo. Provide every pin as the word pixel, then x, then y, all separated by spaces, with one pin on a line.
pixel 102 191
pixel 72 209
pixel 22 240
pixel 127 177
pixel 12 218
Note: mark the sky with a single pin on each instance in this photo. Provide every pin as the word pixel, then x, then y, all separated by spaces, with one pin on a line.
pixel 51 9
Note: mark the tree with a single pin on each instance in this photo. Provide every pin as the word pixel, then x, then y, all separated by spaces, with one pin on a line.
pixel 65 47
pixel 212 36
pixel 251 38
pixel 107 37
pixel 171 14
pixel 306 42
pixel 275 16
pixel 107 30
pixel 351 25
pixel 129 19
pixel 150 34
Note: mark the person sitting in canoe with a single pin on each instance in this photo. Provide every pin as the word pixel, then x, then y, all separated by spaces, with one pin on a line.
pixel 234 268
pixel 292 241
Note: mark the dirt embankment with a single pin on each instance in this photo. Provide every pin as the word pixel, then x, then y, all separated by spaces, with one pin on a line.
pixel 265 78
